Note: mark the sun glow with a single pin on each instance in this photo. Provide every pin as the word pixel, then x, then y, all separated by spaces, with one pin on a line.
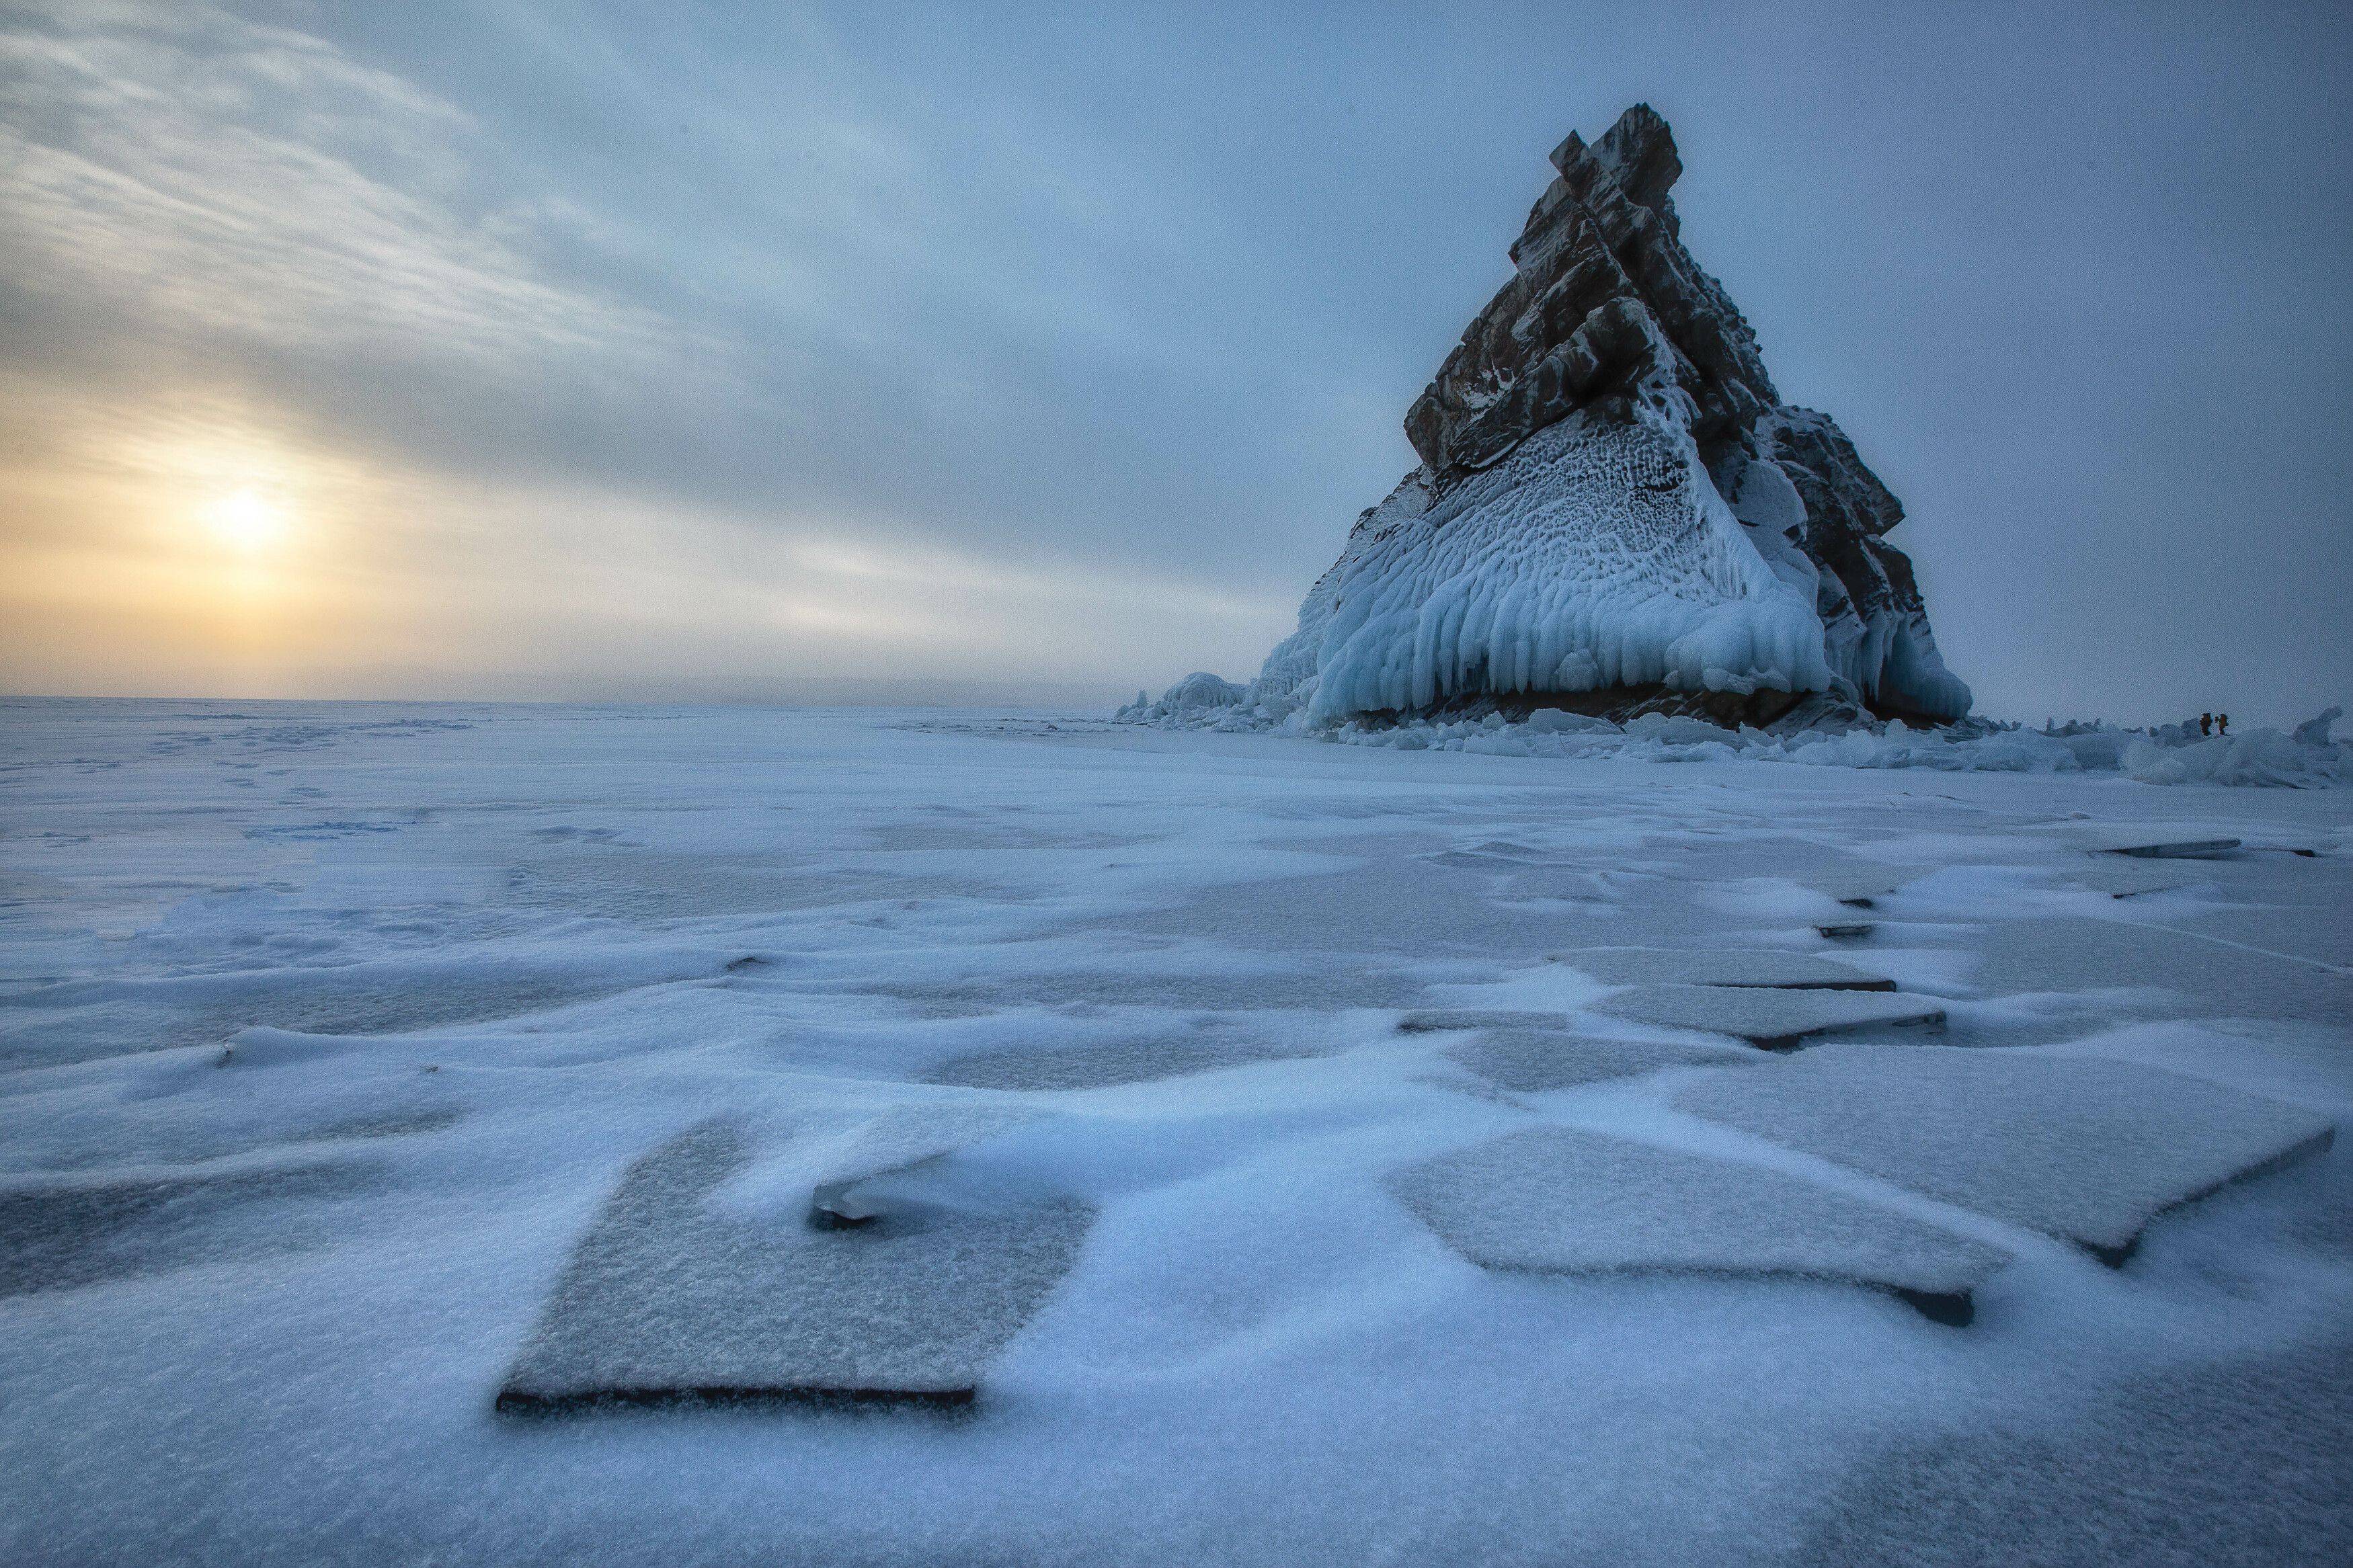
pixel 248 519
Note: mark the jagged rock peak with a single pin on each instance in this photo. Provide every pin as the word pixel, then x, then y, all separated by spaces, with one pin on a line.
pixel 1638 154
pixel 1605 302
pixel 1614 503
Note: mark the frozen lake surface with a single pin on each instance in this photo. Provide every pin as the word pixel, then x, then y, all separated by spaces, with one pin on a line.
pixel 1189 1147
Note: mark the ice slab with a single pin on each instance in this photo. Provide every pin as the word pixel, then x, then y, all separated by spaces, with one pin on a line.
pixel 668 1300
pixel 1552 1200
pixel 2129 881
pixel 107 1017
pixel 1773 1018
pixel 1329 986
pixel 1720 966
pixel 1495 854
pixel 1427 1020
pixel 1863 890
pixel 2176 849
pixel 1537 1061
pixel 2082 1148
pixel 1044 1068
pixel 2245 1461
pixel 58 1234
pixel 1534 1053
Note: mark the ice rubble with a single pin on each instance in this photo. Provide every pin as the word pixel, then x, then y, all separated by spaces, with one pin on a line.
pixel 2164 754
pixel 1199 692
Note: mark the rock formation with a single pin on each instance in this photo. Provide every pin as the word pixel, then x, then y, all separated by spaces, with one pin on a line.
pixel 1614 508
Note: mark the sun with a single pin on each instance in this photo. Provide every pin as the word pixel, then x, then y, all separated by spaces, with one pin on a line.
pixel 248 519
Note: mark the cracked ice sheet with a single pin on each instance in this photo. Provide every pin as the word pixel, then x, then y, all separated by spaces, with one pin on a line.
pixel 666 1297
pixel 1720 966
pixel 1553 1200
pixel 2081 1147
pixel 1257 1356
pixel 1770 1016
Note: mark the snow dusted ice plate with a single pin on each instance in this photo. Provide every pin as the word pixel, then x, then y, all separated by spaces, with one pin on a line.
pixel 1048 1069
pixel 908 1300
pixel 2084 1149
pixel 1773 1018
pixel 2131 881
pixel 101 1017
pixel 274 1289
pixel 1556 1201
pixel 1536 1053
pixel 1538 1061
pixel 1764 967
pixel 59 1233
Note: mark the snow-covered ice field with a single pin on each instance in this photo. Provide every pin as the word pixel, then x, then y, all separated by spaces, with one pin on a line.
pixel 360 1062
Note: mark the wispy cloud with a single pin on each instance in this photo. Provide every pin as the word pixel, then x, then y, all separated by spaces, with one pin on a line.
pixel 212 184
pixel 577 337
pixel 236 256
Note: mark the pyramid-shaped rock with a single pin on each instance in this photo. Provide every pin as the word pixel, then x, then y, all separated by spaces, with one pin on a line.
pixel 1614 506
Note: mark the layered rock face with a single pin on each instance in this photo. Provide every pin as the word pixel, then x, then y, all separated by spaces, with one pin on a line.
pixel 1613 502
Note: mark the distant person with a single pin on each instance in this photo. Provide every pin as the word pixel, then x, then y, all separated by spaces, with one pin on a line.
pixel 2205 723
pixel 2222 723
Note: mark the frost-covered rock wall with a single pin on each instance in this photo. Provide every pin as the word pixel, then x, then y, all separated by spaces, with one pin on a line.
pixel 1598 555
pixel 1613 500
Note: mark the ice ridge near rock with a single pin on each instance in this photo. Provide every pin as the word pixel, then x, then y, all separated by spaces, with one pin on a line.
pixel 1613 503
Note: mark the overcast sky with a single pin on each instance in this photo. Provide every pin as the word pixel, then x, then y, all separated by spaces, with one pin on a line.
pixel 546 350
